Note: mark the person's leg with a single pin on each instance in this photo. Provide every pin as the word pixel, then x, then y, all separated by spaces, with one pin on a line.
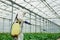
pixel 20 37
pixel 15 37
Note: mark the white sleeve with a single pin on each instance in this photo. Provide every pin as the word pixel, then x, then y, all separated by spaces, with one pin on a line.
pixel 20 16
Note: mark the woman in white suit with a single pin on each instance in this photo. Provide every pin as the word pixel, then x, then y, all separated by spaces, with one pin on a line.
pixel 17 25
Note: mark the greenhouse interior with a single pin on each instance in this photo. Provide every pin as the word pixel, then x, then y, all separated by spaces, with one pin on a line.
pixel 41 20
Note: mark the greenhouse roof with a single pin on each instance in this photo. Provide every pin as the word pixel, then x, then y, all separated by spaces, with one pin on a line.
pixel 49 9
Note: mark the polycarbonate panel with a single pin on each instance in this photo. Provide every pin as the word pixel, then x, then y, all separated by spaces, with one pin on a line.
pixel 6 26
pixel 37 15
pixel 1 25
pixel 40 7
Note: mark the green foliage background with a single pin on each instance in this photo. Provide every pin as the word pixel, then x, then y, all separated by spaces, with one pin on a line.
pixel 41 36
pixel 32 36
pixel 5 36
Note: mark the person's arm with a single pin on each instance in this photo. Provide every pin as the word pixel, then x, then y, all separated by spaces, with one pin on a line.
pixel 15 18
pixel 27 22
pixel 22 21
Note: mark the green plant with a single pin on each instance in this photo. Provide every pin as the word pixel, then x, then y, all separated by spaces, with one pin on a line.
pixel 5 36
pixel 41 36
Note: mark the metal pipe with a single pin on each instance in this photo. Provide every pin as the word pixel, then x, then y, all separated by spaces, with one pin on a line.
pixel 5 18
pixel 50 8
pixel 7 10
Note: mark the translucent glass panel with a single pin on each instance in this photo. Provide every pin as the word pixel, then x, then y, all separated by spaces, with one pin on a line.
pixel 38 23
pixel 37 6
pixel 5 9
pixel 1 24
pixel 6 26
pixel 5 16
pixel 55 5
pixel 42 8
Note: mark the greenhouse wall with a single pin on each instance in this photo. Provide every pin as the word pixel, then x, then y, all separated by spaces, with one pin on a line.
pixel 38 23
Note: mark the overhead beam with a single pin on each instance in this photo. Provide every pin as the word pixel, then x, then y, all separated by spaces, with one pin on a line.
pixel 6 10
pixel 37 9
pixel 5 18
pixel 52 17
pixel 50 8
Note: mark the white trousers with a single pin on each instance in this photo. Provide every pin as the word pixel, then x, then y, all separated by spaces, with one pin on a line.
pixel 20 37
